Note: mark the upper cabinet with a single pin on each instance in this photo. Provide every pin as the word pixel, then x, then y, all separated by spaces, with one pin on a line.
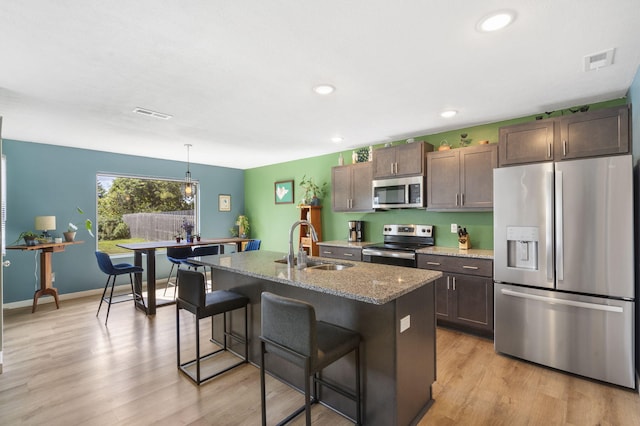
pixel 400 160
pixel 588 134
pixel 351 187
pixel 527 143
pixel 591 134
pixel 461 179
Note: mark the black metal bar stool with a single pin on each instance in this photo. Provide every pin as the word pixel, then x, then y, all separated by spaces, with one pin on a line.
pixel 290 331
pixel 193 297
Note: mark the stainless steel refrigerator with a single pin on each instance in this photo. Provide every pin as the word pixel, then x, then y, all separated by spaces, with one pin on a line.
pixel 564 266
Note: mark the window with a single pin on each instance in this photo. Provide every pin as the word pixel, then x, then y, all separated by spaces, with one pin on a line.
pixel 138 209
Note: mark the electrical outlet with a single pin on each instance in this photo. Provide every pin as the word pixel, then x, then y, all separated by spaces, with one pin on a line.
pixel 53 277
pixel 454 228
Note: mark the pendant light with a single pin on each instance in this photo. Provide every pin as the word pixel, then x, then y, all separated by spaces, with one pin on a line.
pixel 188 186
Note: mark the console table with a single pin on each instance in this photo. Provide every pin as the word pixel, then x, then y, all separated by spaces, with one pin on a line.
pixel 46 250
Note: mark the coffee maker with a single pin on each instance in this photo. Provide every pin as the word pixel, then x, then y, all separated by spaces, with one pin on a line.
pixel 356 230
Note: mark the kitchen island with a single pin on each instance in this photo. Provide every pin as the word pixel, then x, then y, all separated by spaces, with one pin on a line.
pixel 391 307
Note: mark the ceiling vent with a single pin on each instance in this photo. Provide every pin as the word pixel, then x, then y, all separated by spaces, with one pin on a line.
pixel 149 113
pixel 598 60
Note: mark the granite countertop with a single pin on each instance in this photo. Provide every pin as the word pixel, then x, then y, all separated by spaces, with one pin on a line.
pixel 444 251
pixel 454 251
pixel 343 243
pixel 366 282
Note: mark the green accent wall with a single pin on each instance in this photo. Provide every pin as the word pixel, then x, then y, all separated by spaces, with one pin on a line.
pixel 271 222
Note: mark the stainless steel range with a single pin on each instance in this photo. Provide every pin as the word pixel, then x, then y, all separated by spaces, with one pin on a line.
pixel 399 245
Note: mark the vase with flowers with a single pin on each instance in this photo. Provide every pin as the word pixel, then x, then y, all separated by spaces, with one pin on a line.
pixel 72 228
pixel 188 229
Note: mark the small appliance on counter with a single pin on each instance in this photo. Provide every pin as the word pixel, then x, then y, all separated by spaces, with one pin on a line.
pixel 356 231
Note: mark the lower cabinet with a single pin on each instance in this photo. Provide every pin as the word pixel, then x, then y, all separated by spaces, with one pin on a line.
pixel 335 252
pixel 464 293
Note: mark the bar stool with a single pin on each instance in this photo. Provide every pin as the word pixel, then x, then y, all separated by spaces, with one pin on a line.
pixel 106 266
pixel 290 331
pixel 193 297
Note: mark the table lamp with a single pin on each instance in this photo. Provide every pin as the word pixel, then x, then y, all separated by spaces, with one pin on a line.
pixel 45 224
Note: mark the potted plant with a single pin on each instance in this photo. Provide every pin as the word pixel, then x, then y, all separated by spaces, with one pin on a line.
pixel 243 227
pixel 29 238
pixel 188 228
pixel 313 192
pixel 70 235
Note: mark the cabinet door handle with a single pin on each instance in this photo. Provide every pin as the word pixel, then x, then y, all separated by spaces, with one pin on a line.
pixel 469 267
pixel 348 254
pixel 462 199
pixel 448 283
pixel 434 263
pixel 454 283
pixel 549 151
pixel 564 147
pixel 327 252
pixel 392 164
pixel 456 199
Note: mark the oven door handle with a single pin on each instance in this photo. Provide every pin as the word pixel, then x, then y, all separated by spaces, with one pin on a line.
pixel 388 253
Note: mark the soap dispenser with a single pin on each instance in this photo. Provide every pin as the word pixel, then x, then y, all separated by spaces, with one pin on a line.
pixel 302 258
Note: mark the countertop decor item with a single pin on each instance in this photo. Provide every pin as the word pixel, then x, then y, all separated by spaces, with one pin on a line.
pixel 444 145
pixel 362 155
pixel 464 140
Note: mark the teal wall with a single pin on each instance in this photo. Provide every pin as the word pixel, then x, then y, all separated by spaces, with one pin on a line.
pixel 634 97
pixel 53 180
pixel 270 222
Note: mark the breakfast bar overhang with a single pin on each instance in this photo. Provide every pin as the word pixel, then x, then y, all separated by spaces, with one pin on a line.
pixel 391 307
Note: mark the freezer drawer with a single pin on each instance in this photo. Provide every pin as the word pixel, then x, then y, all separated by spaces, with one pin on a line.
pixel 589 336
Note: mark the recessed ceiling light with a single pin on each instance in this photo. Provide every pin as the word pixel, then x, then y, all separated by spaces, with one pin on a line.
pixel 336 139
pixel 324 89
pixel 448 114
pixel 496 21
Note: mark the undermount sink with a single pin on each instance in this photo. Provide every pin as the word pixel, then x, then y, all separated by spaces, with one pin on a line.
pixel 331 266
pixel 319 264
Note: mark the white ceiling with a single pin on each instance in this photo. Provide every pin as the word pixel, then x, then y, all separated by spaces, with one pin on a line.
pixel 237 76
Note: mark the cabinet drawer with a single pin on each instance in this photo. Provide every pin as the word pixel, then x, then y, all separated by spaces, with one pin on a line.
pixel 456 264
pixel 341 253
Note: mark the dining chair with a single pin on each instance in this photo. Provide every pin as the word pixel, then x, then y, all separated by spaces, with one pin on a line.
pixel 290 331
pixel 176 255
pixel 106 266
pixel 252 245
pixel 198 251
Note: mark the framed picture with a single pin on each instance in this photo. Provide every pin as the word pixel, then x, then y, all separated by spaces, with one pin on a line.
pixel 284 192
pixel 224 202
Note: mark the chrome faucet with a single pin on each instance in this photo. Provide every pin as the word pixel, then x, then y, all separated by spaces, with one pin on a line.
pixel 314 236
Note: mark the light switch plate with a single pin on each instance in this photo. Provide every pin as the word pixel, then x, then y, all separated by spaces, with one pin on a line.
pixel 454 228
pixel 405 323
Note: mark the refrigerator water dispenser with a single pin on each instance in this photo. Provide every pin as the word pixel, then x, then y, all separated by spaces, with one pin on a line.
pixel 522 247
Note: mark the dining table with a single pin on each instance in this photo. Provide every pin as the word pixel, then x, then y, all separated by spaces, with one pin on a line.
pixel 149 248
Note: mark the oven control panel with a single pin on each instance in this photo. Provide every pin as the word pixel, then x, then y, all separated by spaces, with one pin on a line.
pixel 408 230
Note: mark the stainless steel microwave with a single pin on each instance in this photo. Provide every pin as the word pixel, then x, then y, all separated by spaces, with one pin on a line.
pixel 398 193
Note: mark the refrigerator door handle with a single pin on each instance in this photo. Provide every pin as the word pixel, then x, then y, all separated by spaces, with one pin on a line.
pixel 549 225
pixel 552 300
pixel 559 227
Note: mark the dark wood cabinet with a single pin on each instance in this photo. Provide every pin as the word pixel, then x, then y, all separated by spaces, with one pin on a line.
pixel 464 293
pixel 527 142
pixel 345 253
pixel 351 187
pixel 400 160
pixel 584 134
pixel 461 179
pixel 592 134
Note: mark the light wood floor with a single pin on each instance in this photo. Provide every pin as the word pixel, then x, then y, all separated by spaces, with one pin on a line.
pixel 65 367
